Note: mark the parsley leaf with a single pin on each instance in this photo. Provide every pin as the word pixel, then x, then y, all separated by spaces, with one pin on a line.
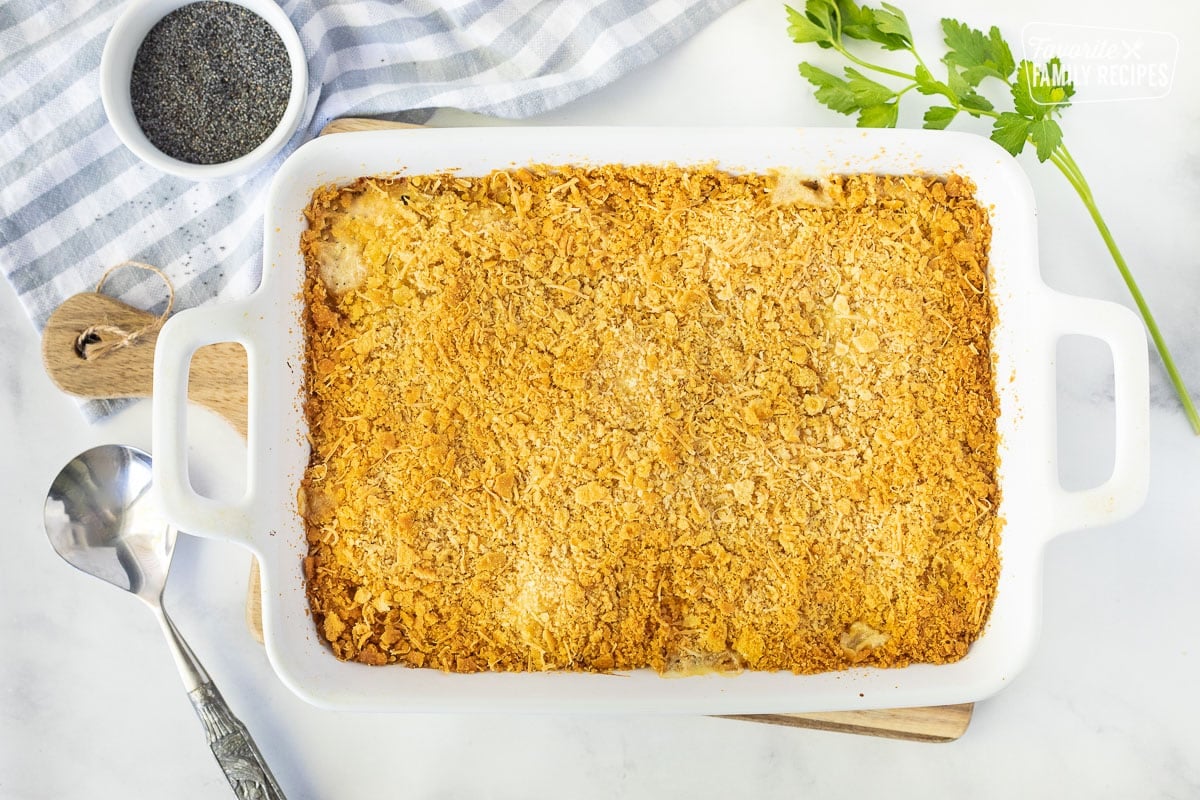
pixel 965 93
pixel 890 21
pixel 927 84
pixel 972 102
pixel 858 93
pixel 1046 136
pixel 831 91
pixel 866 91
pixel 857 21
pixel 1010 131
pixel 938 117
pixel 814 24
pixel 1039 92
pixel 883 115
pixel 885 26
pixel 974 55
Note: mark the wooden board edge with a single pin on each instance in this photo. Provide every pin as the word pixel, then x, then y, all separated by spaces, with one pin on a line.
pixel 922 724
pixel 353 124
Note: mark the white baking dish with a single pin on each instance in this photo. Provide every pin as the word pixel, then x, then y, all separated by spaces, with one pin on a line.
pixel 1031 320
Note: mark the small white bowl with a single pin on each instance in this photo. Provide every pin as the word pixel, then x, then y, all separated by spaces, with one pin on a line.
pixel 116 70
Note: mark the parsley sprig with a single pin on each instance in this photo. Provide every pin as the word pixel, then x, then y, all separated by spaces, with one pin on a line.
pixel 1039 94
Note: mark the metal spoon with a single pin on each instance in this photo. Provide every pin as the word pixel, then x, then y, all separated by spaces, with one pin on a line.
pixel 102 517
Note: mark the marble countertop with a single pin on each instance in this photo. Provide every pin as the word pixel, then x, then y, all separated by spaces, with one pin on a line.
pixel 91 707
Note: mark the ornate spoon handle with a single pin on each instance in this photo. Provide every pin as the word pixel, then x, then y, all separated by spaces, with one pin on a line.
pixel 230 742
pixel 235 751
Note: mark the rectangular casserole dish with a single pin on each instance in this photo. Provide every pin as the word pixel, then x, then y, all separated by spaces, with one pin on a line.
pixel 1030 319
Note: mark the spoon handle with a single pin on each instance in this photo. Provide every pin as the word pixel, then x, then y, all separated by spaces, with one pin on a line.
pixel 230 742
pixel 234 748
pixel 191 671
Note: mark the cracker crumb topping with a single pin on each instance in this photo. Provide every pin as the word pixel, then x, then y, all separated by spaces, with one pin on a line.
pixel 615 417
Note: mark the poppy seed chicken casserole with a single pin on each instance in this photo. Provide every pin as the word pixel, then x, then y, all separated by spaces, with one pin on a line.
pixel 615 417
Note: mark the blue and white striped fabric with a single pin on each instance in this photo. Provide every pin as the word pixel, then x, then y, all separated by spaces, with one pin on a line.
pixel 74 201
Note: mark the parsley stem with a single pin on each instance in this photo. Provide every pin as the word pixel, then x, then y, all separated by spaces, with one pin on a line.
pixel 1066 164
pixel 868 65
pixel 917 56
pixel 975 112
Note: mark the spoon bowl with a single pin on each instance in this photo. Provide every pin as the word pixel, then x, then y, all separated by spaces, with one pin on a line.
pixel 103 518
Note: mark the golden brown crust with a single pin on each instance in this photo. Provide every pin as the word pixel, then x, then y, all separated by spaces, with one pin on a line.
pixel 620 417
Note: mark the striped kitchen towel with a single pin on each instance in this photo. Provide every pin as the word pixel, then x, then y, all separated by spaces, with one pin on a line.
pixel 74 201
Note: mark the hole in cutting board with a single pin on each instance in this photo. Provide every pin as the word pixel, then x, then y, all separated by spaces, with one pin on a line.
pixel 216 434
pixel 1086 418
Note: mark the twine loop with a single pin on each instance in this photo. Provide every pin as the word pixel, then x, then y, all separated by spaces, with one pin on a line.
pixel 97 341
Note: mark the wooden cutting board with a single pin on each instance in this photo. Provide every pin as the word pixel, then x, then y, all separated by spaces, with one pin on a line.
pixel 218 382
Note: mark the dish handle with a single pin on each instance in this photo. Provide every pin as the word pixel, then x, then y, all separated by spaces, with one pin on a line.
pixel 180 338
pixel 1124 491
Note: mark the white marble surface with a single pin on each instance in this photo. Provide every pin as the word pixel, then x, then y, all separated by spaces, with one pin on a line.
pixel 90 706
